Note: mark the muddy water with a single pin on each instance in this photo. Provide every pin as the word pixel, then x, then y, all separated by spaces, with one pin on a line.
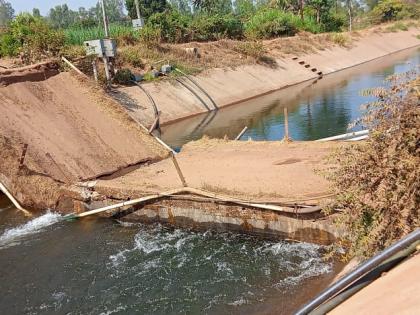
pixel 317 109
pixel 102 266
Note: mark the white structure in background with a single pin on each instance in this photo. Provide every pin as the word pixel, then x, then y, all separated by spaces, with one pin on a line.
pixel 139 22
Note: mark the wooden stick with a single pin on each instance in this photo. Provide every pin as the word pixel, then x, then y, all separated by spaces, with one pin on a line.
pixel 72 66
pixel 178 169
pixel 286 124
pixel 22 157
pixel 13 200
pixel 241 133
pixel 195 192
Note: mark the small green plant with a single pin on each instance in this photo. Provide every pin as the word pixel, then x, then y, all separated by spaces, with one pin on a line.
pixel 131 56
pixel 340 39
pixel 77 35
pixel 123 76
pixel 398 26
pixel 253 49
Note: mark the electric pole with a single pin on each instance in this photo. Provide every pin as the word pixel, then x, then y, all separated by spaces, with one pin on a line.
pixel 106 27
pixel 137 8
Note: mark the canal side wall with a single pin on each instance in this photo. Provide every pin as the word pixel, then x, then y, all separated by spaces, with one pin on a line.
pixel 314 228
pixel 230 86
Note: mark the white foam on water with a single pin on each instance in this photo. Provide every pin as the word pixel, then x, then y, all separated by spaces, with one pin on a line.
pixel 12 237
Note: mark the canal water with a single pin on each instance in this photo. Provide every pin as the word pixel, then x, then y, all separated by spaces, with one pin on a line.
pixel 101 266
pixel 317 109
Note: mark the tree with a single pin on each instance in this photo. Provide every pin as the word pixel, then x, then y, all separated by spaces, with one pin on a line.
pixel 61 16
pixel 213 6
pixel 36 13
pixel 147 7
pixel 6 12
pixel 114 10
pixel 321 8
pixel 244 8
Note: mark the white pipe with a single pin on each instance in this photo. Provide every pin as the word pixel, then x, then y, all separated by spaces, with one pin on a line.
pixel 13 200
pixel 345 136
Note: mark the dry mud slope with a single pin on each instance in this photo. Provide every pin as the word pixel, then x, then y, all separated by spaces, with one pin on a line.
pixel 73 130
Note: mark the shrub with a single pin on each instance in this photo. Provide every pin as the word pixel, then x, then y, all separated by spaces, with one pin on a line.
pixel 378 181
pixel 386 11
pixel 150 36
pixel 123 76
pixel 268 23
pixel 173 26
pixel 213 27
pixel 32 37
pixel 333 22
pixel 254 49
pixel 131 56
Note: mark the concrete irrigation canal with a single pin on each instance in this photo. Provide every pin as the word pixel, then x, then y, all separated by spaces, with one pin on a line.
pixel 150 218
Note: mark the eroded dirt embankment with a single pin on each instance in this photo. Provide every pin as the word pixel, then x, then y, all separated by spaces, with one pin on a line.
pixel 230 86
pixel 73 131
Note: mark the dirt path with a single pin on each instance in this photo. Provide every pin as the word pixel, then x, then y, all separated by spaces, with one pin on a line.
pixel 255 170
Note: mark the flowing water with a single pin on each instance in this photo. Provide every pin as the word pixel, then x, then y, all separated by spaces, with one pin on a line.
pixel 317 109
pixel 100 266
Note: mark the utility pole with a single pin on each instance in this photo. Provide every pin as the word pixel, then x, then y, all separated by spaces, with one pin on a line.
pixel 137 8
pixel 106 27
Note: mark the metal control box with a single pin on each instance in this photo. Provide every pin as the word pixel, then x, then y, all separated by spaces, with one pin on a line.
pixel 138 23
pixel 101 47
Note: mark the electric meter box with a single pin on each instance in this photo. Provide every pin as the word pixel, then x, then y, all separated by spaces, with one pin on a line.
pixel 138 23
pixel 101 47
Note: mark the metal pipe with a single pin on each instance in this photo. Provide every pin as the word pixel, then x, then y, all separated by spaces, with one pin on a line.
pixel 345 136
pixel 356 274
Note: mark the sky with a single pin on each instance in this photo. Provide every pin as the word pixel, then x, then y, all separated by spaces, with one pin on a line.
pixel 45 5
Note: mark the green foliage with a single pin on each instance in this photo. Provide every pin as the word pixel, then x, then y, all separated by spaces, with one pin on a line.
pixel 150 36
pixel 340 39
pixel 172 24
pixel 6 12
pixel 147 7
pixel 131 56
pixel 77 35
pixel 244 8
pixel 269 23
pixel 253 49
pixel 33 38
pixel 211 7
pixel 392 10
pixel 213 27
pixel 398 26
pixel 123 76
pixel 377 181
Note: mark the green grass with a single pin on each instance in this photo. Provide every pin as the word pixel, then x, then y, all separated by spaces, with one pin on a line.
pixel 76 36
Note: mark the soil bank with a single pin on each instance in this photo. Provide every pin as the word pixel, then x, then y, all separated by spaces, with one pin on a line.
pixel 181 99
pixel 72 130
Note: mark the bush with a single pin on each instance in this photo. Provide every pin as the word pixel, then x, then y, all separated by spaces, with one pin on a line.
pixel 213 27
pixel 173 26
pixel 386 11
pixel 32 37
pixel 378 181
pixel 269 23
pixel 150 36
pixel 131 56
pixel 333 22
